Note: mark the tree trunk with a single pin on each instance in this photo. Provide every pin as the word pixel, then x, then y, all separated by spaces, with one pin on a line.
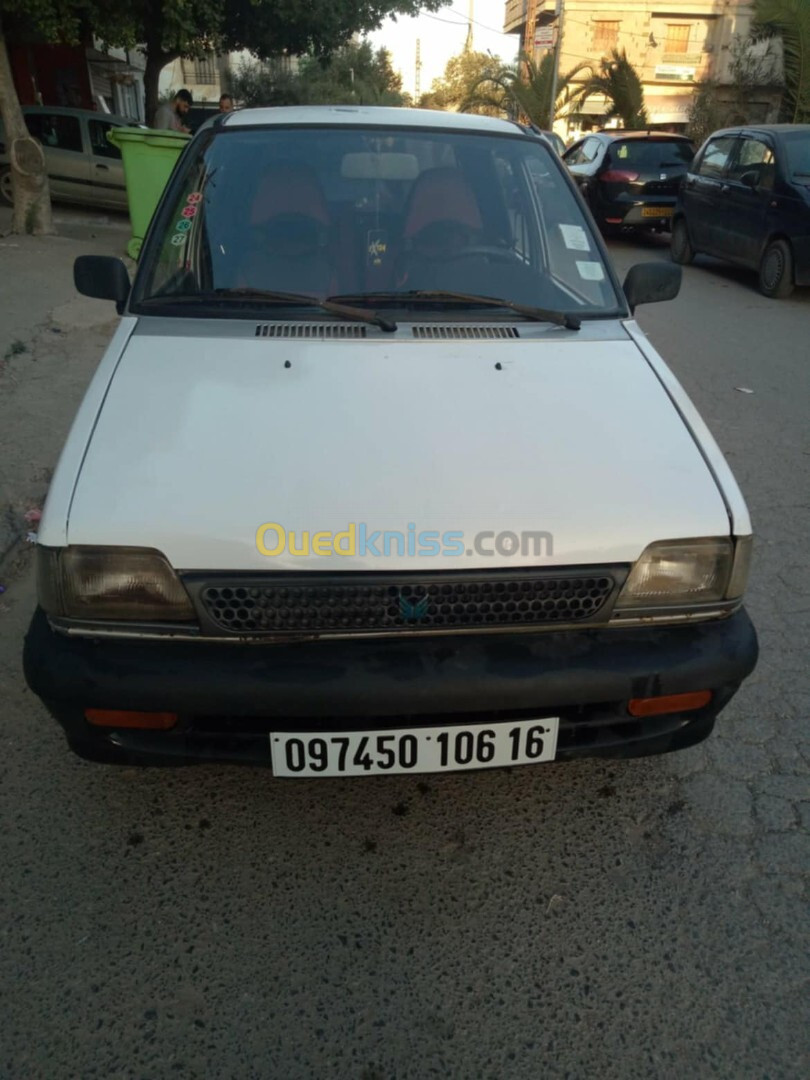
pixel 29 180
pixel 156 61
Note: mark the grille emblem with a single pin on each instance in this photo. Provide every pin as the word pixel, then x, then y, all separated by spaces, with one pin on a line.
pixel 413 610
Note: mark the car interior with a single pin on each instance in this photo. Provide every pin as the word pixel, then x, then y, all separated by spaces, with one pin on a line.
pixel 360 214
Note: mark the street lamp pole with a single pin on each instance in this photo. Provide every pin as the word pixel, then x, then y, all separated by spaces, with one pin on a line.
pixel 560 11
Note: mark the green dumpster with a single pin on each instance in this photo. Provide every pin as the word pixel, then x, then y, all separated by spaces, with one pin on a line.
pixel 149 157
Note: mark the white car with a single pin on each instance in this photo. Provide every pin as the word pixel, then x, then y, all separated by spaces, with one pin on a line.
pixel 379 474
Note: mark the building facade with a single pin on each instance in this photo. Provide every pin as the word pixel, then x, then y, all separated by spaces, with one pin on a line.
pixel 81 76
pixel 674 45
pixel 204 77
pixel 207 78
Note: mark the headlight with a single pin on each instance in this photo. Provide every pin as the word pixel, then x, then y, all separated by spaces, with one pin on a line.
pixel 110 583
pixel 683 573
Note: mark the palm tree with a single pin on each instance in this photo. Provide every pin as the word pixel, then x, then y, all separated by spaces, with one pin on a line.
pixel 790 20
pixel 619 82
pixel 525 88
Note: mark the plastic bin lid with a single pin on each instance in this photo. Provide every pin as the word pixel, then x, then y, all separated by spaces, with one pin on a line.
pixel 149 136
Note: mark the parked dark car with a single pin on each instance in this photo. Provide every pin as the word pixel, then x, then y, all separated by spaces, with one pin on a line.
pixel 746 199
pixel 555 140
pixel 630 178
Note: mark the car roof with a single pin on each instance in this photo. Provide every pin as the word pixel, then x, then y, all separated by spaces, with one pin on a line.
pixel 768 129
pixel 91 114
pixel 376 115
pixel 621 134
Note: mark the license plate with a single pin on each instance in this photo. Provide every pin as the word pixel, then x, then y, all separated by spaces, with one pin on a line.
pixel 656 211
pixel 414 750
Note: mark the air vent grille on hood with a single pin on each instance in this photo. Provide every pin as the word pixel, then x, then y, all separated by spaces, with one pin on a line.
pixel 464 333
pixel 310 330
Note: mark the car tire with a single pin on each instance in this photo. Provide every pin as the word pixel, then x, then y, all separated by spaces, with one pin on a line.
pixel 776 270
pixel 680 246
pixel 6 194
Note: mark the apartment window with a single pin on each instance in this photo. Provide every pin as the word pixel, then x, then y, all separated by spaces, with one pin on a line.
pixel 205 72
pixel 605 36
pixel 677 37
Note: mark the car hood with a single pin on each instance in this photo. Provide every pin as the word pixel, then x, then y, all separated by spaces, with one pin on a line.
pixel 201 440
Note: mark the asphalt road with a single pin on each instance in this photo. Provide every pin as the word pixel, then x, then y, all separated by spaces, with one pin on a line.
pixel 639 919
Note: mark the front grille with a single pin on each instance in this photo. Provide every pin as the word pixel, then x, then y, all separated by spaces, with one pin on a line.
pixel 309 331
pixel 465 333
pixel 372 603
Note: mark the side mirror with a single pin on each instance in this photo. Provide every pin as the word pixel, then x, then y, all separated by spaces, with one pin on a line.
pixel 650 282
pixel 750 179
pixel 102 277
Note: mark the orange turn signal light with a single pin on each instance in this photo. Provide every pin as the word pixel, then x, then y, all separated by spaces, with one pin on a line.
pixel 669 703
pixel 124 718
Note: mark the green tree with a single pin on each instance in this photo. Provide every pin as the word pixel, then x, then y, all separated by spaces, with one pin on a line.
pixel 454 89
pixel 619 82
pixel 790 21
pixel 256 85
pixel 714 106
pixel 166 30
pixel 524 90
pixel 354 74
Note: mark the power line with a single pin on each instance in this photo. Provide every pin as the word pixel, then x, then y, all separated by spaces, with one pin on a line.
pixel 452 22
pixel 477 23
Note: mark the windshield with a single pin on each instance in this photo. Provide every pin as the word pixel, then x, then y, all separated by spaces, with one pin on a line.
pixel 798 154
pixel 652 154
pixel 344 211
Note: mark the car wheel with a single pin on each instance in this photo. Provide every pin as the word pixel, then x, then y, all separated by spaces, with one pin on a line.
pixel 776 270
pixel 680 245
pixel 6 194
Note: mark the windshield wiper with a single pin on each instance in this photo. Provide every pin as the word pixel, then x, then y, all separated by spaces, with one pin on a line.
pixel 271 296
pixel 558 318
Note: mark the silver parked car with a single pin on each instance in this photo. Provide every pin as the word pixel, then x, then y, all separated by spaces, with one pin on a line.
pixel 83 166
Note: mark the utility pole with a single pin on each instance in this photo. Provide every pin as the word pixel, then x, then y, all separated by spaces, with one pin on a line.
pixel 468 44
pixel 528 35
pixel 560 11
pixel 417 80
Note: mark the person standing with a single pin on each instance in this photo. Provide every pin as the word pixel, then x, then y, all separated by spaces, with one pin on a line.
pixel 226 103
pixel 171 114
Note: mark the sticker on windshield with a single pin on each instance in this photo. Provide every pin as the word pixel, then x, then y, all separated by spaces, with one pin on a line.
pixel 194 197
pixel 376 247
pixel 590 271
pixel 575 237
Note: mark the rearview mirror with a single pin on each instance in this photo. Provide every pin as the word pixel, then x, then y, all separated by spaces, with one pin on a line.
pixel 651 282
pixel 383 166
pixel 102 277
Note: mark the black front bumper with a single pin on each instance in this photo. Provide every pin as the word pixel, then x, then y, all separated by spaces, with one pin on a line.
pixel 230 696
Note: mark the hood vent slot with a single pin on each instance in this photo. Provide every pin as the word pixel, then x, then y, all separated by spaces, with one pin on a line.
pixel 465 333
pixel 310 331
